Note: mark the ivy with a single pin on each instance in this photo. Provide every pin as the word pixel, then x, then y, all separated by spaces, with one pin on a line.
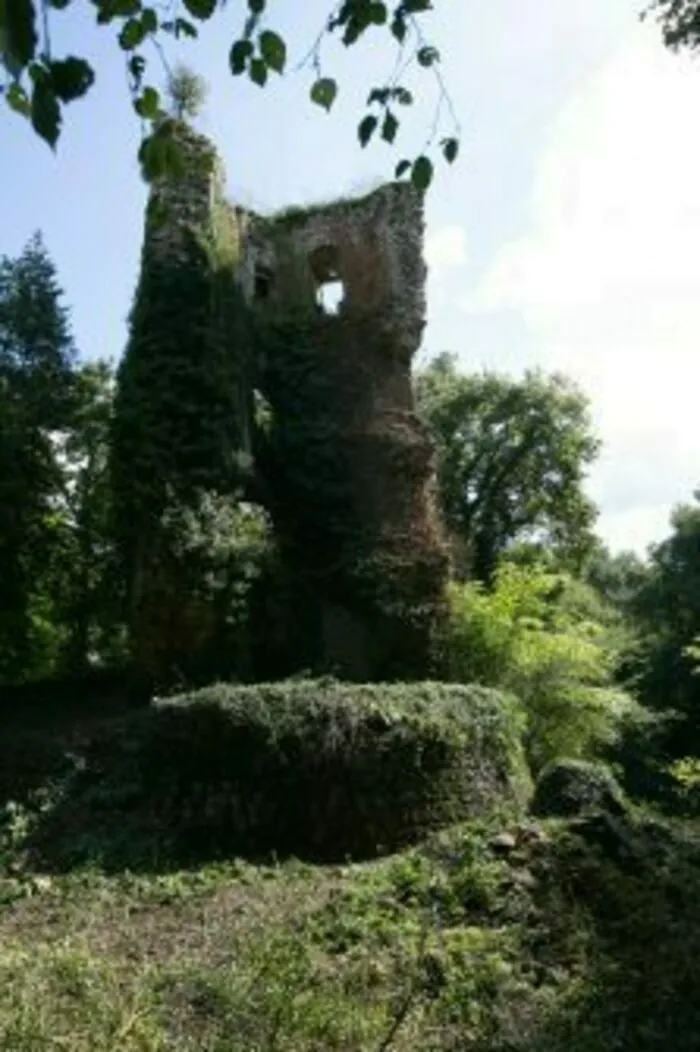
pixel 258 50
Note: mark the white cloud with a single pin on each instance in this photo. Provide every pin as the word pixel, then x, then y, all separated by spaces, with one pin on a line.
pixel 607 278
pixel 446 248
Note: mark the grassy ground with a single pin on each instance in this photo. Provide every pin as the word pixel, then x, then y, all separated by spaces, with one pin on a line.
pixel 580 936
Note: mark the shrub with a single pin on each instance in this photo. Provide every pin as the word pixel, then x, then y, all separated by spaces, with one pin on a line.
pixel 571 787
pixel 533 635
pixel 317 769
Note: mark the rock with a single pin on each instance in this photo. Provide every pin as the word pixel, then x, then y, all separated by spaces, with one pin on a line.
pixel 503 843
pixel 575 787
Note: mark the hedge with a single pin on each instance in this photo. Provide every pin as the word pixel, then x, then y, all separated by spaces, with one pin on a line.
pixel 317 769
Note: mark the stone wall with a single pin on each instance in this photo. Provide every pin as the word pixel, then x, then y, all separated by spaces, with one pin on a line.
pixel 340 385
pixel 346 467
pixel 182 416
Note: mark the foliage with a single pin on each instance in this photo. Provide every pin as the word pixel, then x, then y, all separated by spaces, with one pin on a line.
pixel 667 610
pixel 90 593
pixel 530 635
pixel 680 22
pixel 222 546
pixel 38 86
pixel 512 456
pixel 506 935
pixel 181 419
pixel 36 361
pixel 617 578
pixel 317 769
pixel 187 93
pixel 314 457
pixel 572 787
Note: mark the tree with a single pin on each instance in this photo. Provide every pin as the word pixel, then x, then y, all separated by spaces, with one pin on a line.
pixel 511 456
pixel 36 360
pixel 187 93
pixel 680 22
pixel 88 586
pixel 667 608
pixel 38 86
pixel 548 639
pixel 618 578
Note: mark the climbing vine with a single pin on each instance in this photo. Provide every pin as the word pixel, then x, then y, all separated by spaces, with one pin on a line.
pixel 181 425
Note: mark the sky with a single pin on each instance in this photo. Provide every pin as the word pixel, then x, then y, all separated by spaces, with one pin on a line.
pixel 566 237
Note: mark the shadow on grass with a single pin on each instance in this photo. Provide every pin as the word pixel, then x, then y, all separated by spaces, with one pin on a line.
pixel 633 886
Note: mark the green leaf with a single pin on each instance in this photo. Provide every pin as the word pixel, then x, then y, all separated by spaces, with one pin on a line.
pixel 324 92
pixel 377 13
pixel 238 56
pixel 401 168
pixel 379 95
pixel 258 71
pixel 19 32
pixel 16 98
pixel 131 34
pixel 256 6
pixel 403 96
pixel 450 149
pixel 422 172
pixel 185 28
pixel 355 28
pixel 274 50
pixel 414 7
pixel 71 78
pixel 160 156
pixel 399 27
pixel 148 104
pixel 389 127
pixel 137 67
pixel 149 20
pixel 427 55
pixel 45 112
pixel 366 128
pixel 200 9
pixel 118 8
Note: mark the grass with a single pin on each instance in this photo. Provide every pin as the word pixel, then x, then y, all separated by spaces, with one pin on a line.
pixel 497 935
pixel 534 941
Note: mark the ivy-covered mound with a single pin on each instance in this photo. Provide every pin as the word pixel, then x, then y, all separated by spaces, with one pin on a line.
pixel 316 769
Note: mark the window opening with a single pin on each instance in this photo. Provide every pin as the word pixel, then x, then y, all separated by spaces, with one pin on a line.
pixel 330 296
pixel 330 289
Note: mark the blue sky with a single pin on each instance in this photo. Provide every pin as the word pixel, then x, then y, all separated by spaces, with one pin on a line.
pixel 567 236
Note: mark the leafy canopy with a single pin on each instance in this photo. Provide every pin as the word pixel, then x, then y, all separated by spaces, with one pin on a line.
pixel 512 456
pixel 38 85
pixel 547 638
pixel 680 22
pixel 187 93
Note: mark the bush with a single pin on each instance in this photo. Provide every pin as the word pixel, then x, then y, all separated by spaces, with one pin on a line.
pixel 572 787
pixel 317 769
pixel 533 635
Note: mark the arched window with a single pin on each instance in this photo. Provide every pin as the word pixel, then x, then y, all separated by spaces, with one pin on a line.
pixel 330 289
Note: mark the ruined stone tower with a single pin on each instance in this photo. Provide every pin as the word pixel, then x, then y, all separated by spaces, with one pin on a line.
pixel 318 312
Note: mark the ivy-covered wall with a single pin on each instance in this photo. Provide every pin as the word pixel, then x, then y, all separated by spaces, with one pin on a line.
pixel 227 311
pixel 347 460
pixel 182 419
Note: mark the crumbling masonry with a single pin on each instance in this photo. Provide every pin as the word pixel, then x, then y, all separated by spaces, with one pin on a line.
pixel 344 465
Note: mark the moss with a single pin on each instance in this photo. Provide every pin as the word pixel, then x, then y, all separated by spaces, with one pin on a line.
pixel 296 215
pixel 318 769
pixel 572 787
pixel 183 413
